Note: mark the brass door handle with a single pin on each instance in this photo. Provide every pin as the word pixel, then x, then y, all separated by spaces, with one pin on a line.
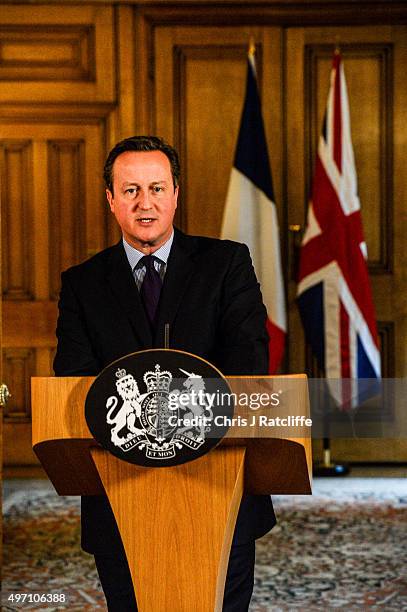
pixel 4 394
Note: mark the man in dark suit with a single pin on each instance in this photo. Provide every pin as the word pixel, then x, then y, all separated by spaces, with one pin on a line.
pixel 205 292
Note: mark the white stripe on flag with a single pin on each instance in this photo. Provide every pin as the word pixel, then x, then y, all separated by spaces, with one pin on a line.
pixel 360 325
pixel 349 184
pixel 313 228
pixel 250 217
pixel 353 350
pixel 332 322
pixel 345 187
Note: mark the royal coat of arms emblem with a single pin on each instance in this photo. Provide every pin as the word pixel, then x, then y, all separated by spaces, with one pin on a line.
pixel 160 415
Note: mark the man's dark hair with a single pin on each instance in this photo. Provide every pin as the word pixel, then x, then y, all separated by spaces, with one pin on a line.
pixel 141 143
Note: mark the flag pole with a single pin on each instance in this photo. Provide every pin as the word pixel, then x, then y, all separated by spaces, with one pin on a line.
pixel 345 344
pixel 327 467
pixel 250 213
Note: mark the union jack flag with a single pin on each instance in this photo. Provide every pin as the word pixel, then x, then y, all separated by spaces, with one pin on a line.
pixel 334 295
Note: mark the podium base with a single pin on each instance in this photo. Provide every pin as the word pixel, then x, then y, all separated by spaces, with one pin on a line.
pixel 177 526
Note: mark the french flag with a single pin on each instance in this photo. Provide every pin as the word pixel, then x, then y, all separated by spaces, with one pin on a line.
pixel 334 295
pixel 250 213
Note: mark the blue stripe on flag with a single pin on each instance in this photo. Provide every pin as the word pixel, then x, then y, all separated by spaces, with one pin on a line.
pixel 369 385
pixel 364 367
pixel 251 157
pixel 311 308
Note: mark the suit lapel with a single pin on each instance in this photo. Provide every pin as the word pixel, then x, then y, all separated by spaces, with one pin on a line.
pixel 180 269
pixel 121 281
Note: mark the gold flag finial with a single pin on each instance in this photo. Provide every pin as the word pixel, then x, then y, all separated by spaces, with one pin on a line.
pixel 252 47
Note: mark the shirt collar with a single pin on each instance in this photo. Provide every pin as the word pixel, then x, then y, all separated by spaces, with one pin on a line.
pixel 134 255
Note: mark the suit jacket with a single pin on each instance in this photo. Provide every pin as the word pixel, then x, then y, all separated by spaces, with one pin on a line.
pixel 212 303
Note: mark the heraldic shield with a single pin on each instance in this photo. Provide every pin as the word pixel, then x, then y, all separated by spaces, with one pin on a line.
pixel 159 407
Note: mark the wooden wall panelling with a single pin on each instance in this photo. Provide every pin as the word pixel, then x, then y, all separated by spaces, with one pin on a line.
pixel 41 221
pixel 386 330
pixel 17 260
pixel 399 277
pixel 18 366
pixel 60 77
pixel 96 212
pixel 61 184
pixel 199 86
pixel 270 12
pixel 128 76
pixel 144 68
pixel 52 52
pixel 60 53
pixel 66 208
pixel 77 143
pixel 29 323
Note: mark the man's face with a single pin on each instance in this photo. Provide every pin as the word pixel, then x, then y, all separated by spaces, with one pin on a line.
pixel 144 199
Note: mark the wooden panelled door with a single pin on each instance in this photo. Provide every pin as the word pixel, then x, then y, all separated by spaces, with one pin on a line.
pixel 199 87
pixel 51 219
pixel 56 97
pixel 375 62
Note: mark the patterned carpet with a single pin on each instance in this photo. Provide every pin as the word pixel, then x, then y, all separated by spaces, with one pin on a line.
pixel 343 548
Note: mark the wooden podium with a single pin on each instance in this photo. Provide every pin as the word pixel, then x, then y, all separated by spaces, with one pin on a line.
pixel 176 523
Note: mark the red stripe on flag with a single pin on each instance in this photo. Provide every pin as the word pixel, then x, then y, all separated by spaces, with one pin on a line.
pixel 340 242
pixel 345 351
pixel 276 345
pixel 314 255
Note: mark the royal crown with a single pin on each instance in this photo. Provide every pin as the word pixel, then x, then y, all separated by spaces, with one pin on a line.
pixel 125 383
pixel 157 380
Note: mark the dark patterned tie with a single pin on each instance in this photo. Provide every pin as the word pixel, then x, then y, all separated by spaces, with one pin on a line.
pixel 151 287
